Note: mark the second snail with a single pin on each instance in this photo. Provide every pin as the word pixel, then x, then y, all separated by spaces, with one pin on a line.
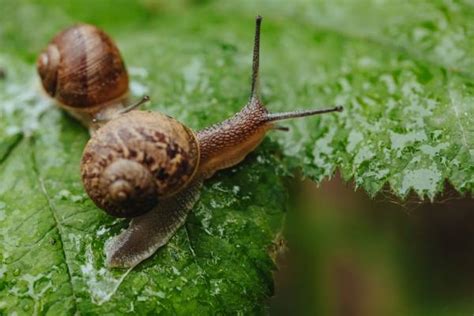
pixel 140 164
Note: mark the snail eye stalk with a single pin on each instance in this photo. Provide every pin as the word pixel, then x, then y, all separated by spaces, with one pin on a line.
pixel 126 109
pixel 135 105
pixel 271 117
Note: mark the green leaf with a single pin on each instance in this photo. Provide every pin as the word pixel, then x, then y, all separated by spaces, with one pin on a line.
pixel 403 72
pixel 52 237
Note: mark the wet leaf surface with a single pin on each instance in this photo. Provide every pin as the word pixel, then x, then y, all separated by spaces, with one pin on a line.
pixel 403 72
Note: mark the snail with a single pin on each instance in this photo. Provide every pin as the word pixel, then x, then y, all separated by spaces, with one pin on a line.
pixel 82 69
pixel 150 167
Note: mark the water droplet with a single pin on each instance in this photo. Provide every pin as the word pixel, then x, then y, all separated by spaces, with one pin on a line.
pixel 77 198
pixel 176 271
pixel 63 195
pixel 138 72
pixel 192 74
pixel 102 230
pixel 138 89
pixel 102 283
pixel 236 189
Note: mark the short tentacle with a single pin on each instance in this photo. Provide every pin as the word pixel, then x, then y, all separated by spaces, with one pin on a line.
pixel 101 118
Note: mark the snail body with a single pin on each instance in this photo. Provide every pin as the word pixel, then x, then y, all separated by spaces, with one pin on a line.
pixel 150 167
pixel 82 69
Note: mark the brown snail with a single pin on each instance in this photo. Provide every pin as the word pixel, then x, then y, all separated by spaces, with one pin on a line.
pixel 149 166
pixel 82 69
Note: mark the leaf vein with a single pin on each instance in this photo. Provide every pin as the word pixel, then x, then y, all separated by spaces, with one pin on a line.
pixel 57 224
pixel 11 147
pixel 195 258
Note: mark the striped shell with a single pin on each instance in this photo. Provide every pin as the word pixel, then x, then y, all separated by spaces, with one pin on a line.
pixel 82 68
pixel 136 159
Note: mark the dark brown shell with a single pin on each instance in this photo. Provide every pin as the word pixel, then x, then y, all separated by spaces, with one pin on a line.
pixel 82 68
pixel 134 160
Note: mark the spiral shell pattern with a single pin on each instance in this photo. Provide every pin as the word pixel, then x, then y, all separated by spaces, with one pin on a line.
pixel 82 68
pixel 133 161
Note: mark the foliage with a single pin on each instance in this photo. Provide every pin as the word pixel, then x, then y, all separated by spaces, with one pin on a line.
pixel 403 72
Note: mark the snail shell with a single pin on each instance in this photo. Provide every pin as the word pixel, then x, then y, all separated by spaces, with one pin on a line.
pixel 82 68
pixel 137 159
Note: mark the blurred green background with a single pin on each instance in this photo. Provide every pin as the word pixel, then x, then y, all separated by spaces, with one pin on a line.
pixel 342 253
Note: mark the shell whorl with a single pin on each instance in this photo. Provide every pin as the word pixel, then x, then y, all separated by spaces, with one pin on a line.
pixel 47 64
pixel 136 159
pixel 129 188
pixel 82 68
